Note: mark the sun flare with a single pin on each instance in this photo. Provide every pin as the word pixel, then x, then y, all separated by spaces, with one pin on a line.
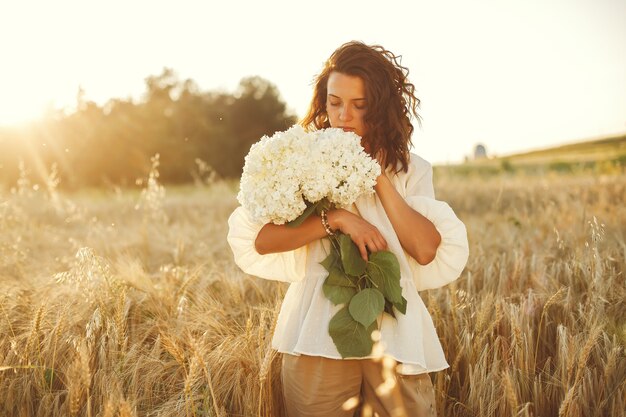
pixel 18 110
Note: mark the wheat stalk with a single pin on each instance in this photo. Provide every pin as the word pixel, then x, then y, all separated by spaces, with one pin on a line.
pixel 172 347
pixel 509 391
pixel 34 334
pixel 120 320
pixel 552 300
pixel 586 351
pixel 199 357
pixel 124 409
pixel 109 409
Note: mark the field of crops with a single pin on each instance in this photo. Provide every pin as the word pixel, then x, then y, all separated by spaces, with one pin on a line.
pixel 121 302
pixel 605 156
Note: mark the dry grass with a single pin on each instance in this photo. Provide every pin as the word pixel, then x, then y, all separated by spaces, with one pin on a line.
pixel 127 304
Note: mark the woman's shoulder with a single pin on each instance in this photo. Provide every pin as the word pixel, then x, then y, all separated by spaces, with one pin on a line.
pixel 418 179
pixel 419 163
pixel 418 166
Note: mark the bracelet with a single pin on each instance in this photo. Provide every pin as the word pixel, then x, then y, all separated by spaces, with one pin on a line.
pixel 324 217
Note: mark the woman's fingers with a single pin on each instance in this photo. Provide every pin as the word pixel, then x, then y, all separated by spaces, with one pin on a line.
pixel 365 235
pixel 382 243
pixel 373 245
pixel 363 251
pixel 376 243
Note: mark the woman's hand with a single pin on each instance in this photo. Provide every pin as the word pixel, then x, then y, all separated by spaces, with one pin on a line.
pixel 364 234
pixel 380 158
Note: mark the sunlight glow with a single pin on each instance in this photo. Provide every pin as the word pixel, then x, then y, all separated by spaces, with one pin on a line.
pixel 17 109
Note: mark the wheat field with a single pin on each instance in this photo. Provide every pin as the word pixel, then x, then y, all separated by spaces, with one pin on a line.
pixel 127 302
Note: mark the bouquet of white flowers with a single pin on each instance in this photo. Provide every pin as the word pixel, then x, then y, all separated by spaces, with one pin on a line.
pixel 284 172
pixel 292 174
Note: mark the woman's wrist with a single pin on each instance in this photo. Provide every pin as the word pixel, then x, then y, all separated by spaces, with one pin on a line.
pixel 327 228
pixel 334 219
pixel 381 181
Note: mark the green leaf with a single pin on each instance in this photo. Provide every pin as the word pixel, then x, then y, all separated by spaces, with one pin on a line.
pixel 301 218
pixel 331 259
pixel 366 306
pixel 351 259
pixel 337 294
pixel 389 308
pixel 351 338
pixel 384 271
pixel 401 306
pixel 336 276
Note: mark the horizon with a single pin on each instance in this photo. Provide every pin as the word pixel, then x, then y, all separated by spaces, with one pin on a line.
pixel 469 156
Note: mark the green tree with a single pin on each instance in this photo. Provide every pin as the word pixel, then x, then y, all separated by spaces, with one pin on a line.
pixel 97 145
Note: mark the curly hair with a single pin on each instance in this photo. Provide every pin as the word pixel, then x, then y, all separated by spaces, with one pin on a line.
pixel 390 98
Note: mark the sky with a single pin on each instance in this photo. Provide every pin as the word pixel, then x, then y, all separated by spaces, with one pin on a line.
pixel 512 75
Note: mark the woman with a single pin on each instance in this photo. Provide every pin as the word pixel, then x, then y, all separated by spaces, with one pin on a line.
pixel 362 89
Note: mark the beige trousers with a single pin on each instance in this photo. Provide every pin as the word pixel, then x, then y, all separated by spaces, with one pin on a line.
pixel 322 387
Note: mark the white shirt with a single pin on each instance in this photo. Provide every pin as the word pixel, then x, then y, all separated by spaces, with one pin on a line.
pixel 302 326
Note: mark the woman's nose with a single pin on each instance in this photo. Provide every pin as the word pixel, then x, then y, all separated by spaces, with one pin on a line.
pixel 345 114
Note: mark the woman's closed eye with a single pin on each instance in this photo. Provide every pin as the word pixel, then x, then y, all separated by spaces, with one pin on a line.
pixel 356 106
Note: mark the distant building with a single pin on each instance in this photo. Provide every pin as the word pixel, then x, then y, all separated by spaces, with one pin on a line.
pixel 480 152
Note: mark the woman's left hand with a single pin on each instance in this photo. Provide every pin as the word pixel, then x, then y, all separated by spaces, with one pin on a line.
pixel 380 159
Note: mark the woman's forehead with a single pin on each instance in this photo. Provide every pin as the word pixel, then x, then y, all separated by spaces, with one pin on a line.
pixel 346 86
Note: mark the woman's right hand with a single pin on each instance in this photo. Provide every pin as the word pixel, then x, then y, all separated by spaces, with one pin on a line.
pixel 364 234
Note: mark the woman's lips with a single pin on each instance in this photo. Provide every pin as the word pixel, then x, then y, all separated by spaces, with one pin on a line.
pixel 348 129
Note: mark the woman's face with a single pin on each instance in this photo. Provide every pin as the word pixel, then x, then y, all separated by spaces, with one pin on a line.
pixel 346 103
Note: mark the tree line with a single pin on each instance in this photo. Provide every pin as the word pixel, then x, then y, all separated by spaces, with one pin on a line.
pixel 113 144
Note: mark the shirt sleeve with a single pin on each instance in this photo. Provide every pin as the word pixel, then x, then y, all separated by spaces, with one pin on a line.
pixel 284 266
pixel 453 251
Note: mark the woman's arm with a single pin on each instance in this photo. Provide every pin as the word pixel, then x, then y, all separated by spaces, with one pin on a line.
pixel 417 235
pixel 280 238
pixel 274 238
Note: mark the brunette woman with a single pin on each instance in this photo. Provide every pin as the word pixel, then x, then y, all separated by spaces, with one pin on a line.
pixel 363 89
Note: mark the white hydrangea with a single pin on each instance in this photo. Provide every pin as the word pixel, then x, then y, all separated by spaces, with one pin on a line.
pixel 284 171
